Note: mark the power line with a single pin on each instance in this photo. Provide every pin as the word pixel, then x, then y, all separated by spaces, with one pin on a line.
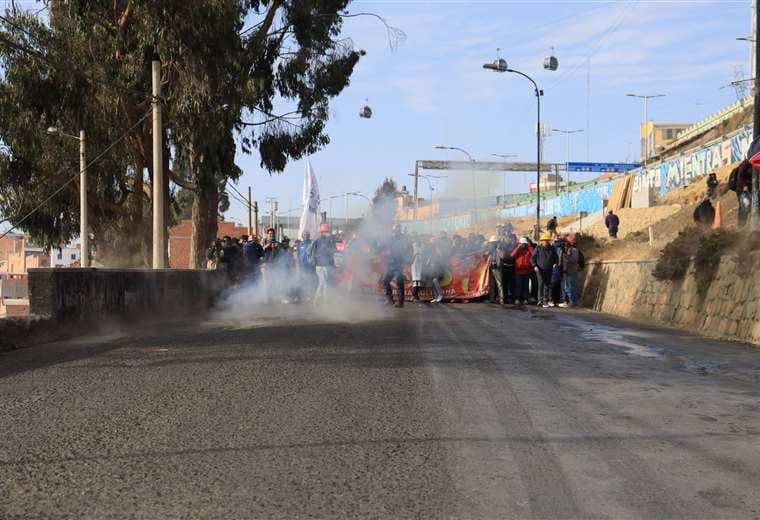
pixel 236 190
pixel 236 198
pixel 600 42
pixel 65 184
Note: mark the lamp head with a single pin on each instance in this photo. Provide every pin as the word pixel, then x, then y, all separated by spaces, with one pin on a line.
pixel 52 130
pixel 498 65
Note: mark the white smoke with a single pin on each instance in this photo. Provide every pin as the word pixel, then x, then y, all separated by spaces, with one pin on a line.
pixel 282 293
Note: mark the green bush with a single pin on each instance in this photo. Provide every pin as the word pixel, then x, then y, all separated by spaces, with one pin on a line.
pixel 674 259
pixel 712 246
pixel 705 246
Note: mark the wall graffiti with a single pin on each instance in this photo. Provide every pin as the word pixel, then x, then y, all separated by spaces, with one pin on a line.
pixel 590 200
pixel 682 170
pixel 663 176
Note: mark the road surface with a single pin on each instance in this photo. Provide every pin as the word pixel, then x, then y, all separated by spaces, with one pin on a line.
pixel 448 411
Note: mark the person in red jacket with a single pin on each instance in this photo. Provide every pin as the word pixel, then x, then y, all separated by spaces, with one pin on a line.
pixel 522 254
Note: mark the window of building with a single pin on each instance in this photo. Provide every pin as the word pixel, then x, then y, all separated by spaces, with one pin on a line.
pixel 60 255
pixel 73 257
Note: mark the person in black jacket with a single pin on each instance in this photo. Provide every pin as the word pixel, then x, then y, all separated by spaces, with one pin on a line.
pixel 551 226
pixel 612 222
pixel 252 253
pixel 400 252
pixel 704 213
pixel 741 182
pixel 544 260
pixel 228 258
pixel 712 183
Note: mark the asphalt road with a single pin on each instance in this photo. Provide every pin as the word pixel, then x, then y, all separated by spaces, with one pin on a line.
pixel 449 411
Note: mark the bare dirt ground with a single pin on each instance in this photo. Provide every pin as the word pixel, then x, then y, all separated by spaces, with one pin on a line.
pixel 672 214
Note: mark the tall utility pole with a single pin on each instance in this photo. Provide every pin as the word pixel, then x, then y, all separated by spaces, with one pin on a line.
pixel 567 151
pixel 159 245
pixel 345 212
pixel 755 212
pixel 472 178
pixel 416 188
pixel 753 48
pixel 250 213
pixel 646 121
pixel 504 178
pixel 588 108
pixel 256 218
pixel 84 234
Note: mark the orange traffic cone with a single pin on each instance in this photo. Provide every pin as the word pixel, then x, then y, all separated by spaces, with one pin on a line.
pixel 718 222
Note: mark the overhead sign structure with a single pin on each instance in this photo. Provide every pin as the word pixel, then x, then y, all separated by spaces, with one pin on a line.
pixel 488 166
pixel 601 167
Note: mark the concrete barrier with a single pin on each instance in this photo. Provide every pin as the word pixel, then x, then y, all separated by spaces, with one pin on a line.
pixel 66 295
pixel 729 309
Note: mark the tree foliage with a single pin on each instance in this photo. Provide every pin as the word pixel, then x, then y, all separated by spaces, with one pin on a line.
pixel 387 190
pixel 258 73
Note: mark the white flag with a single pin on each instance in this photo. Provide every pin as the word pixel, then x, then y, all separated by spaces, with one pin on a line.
pixel 310 201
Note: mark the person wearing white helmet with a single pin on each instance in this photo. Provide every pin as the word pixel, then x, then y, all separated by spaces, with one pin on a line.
pixel 495 264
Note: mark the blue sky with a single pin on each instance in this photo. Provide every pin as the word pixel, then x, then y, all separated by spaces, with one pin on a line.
pixel 432 88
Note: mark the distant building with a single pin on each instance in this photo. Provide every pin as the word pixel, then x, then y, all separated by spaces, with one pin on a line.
pixel 17 256
pixel 655 137
pixel 66 256
pixel 181 234
pixel 10 244
pixel 549 182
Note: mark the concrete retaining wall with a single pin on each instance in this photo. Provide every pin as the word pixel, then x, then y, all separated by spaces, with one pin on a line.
pixel 73 294
pixel 730 309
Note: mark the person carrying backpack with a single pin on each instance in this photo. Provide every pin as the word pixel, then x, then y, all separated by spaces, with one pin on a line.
pixel 570 261
pixel 704 213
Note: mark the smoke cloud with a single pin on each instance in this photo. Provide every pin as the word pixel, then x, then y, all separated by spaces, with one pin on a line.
pixel 272 295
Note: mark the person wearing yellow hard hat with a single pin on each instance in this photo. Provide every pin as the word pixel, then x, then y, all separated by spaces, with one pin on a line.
pixel 543 260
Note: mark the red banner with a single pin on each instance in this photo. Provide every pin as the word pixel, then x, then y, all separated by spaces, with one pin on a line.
pixel 466 278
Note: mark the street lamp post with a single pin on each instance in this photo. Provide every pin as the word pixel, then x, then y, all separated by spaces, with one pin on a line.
pixel 646 99
pixel 84 235
pixel 500 65
pixel 430 186
pixel 472 177
pixel 358 194
pixel 567 151
pixel 504 177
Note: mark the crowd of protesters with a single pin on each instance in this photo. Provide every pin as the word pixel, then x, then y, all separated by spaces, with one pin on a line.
pixel 521 271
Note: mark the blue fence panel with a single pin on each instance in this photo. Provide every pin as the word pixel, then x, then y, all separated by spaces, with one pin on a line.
pixel 589 199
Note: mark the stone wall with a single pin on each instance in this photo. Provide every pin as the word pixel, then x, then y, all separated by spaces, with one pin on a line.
pixel 729 310
pixel 90 294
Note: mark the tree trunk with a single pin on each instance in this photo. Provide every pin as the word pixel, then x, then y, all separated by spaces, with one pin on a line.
pixel 205 208
pixel 205 204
